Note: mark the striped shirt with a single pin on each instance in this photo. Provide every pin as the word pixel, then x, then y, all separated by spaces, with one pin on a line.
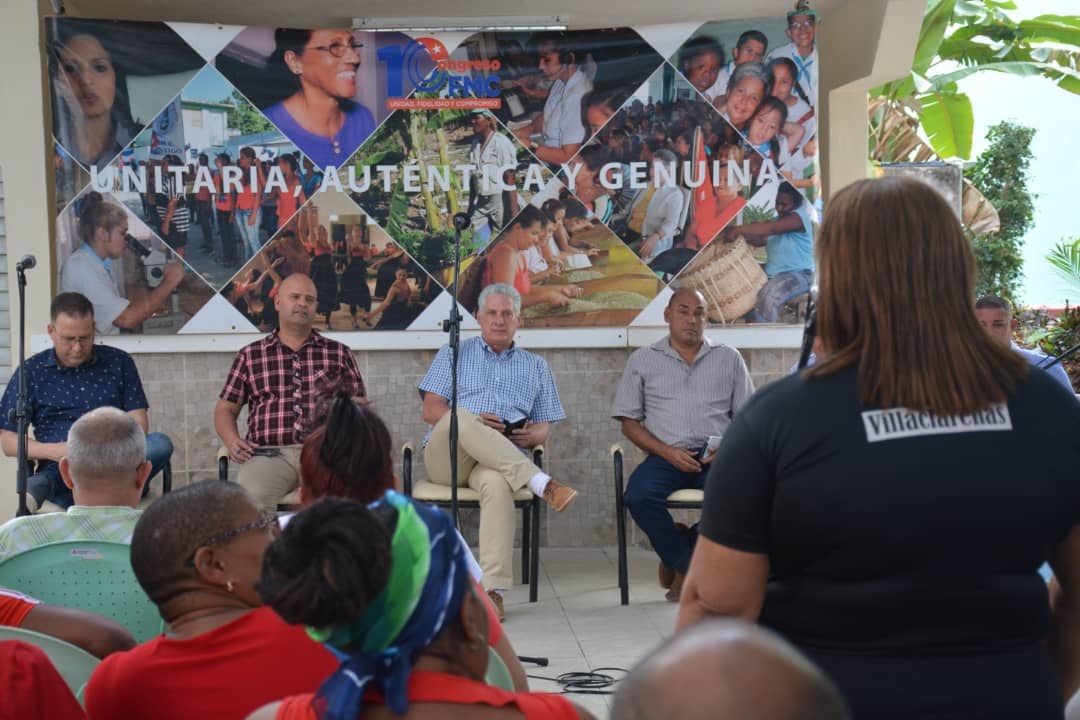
pixel 682 405
pixel 282 384
pixel 514 384
pixel 81 522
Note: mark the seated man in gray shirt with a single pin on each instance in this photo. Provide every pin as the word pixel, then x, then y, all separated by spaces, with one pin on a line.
pixel 674 395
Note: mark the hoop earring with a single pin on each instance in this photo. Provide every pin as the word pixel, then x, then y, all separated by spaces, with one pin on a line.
pixel 229 585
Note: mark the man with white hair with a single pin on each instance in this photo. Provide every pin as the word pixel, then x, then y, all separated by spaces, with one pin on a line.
pixel 506 402
pixel 105 468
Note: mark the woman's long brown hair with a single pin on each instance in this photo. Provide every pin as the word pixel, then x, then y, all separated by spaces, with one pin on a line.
pixel 896 299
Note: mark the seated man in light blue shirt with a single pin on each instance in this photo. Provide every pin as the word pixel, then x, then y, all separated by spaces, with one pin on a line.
pixel 995 315
pixel 106 469
pixel 506 402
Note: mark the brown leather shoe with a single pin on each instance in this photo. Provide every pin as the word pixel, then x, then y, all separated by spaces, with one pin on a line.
pixel 666 575
pixel 675 591
pixel 559 496
pixel 497 603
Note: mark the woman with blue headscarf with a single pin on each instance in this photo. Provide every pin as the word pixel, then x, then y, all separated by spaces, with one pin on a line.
pixel 387 589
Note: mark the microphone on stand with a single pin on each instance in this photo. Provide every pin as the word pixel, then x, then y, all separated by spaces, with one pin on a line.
pixel 810 329
pixel 25 263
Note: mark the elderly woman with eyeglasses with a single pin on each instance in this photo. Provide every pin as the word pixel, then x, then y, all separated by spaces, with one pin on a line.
pixel 197 552
pixel 321 116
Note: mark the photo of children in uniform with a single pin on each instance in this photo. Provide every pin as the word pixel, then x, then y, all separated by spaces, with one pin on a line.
pixel 363 279
pixel 236 177
pixel 761 75
pixel 544 77
pixel 760 268
pixel 108 79
pixel 666 190
pixel 570 269
pixel 136 283
pixel 325 89
pixel 422 151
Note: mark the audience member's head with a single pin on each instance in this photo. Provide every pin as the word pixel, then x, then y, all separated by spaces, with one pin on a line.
pixel 338 561
pixel 201 547
pixel 106 459
pixel 995 315
pixel 348 454
pixel 726 668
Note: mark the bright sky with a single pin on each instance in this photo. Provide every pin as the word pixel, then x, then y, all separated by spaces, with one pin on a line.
pixel 1054 113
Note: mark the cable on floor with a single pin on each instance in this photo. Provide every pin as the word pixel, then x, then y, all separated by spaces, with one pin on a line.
pixel 585 683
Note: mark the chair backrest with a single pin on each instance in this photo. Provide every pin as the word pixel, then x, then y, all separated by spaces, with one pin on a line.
pixel 73 663
pixel 497 674
pixel 85 574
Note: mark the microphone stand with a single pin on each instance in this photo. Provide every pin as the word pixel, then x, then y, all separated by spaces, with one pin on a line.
pixel 809 330
pixel 20 415
pixel 452 325
pixel 1058 358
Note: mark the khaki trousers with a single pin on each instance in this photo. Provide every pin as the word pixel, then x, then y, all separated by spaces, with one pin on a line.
pixel 493 466
pixel 269 479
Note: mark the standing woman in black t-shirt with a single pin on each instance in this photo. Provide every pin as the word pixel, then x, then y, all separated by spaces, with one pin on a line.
pixel 887 510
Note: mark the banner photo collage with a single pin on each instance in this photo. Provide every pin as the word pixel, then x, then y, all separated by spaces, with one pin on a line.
pixel 197 166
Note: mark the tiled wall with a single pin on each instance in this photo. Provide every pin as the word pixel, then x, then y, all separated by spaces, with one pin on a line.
pixel 183 388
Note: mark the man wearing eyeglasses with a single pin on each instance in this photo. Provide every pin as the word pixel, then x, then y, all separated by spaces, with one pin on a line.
pixel 279 378
pixel 64 383
pixel 802 31
pixel 105 469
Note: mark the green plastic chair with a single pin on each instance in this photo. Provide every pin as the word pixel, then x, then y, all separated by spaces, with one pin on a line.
pixel 497 675
pixel 73 663
pixel 89 575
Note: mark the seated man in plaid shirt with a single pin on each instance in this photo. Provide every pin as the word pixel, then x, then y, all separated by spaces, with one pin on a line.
pixel 506 401
pixel 279 377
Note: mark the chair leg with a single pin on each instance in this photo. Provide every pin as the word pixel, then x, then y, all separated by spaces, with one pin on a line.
pixel 620 530
pixel 166 478
pixel 534 551
pixel 525 521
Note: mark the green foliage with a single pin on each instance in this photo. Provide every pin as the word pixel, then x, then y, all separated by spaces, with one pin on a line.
pixel 959 38
pixel 1055 336
pixel 1001 175
pixel 757 213
pixel 1065 258
pixel 244 117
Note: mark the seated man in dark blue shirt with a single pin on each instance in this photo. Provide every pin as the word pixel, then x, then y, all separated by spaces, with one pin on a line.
pixel 63 383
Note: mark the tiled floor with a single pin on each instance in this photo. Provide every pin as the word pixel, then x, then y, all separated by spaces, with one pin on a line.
pixel 578 623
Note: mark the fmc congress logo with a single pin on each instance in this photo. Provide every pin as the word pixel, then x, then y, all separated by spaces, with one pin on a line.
pixel 458 84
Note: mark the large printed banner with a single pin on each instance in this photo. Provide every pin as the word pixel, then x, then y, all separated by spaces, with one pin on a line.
pixel 197 166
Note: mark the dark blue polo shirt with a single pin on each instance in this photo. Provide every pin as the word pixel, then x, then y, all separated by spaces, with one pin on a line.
pixel 58 396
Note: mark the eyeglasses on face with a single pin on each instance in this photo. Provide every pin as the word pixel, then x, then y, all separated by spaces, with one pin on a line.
pixel 264 520
pixel 800 24
pixel 338 49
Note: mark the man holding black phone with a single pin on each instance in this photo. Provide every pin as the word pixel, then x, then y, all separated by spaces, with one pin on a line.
pixel 279 377
pixel 507 401
pixel 675 400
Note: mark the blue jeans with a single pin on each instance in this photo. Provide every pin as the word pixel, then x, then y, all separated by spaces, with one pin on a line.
pixel 248 232
pixel 46 483
pixel 646 497
pixel 779 289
